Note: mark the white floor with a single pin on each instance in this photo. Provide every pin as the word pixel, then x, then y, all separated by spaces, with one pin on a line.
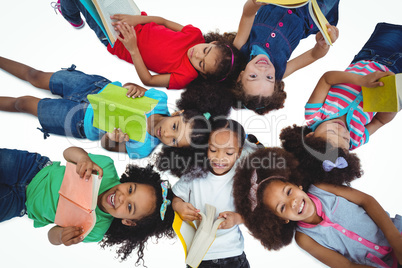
pixel 33 34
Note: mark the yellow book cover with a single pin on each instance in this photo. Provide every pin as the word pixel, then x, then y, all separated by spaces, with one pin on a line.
pixel 386 98
pixel 197 240
pixel 314 10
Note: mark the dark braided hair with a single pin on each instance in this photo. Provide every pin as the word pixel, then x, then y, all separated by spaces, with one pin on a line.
pixel 129 238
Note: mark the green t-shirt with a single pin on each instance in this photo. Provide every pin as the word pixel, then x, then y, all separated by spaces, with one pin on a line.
pixel 43 195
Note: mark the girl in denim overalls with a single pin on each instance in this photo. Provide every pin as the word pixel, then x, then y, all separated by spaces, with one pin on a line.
pixel 268 38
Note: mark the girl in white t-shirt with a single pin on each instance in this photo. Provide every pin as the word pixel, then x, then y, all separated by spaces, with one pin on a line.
pixel 208 179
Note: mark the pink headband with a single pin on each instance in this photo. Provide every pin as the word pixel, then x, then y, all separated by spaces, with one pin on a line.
pixel 254 188
pixel 231 65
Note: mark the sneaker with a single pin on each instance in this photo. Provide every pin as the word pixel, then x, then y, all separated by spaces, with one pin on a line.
pixel 57 7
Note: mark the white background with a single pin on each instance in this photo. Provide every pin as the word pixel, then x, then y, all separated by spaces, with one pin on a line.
pixel 33 34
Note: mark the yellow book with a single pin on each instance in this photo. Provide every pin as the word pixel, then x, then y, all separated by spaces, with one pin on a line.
pixel 197 240
pixel 386 98
pixel 315 13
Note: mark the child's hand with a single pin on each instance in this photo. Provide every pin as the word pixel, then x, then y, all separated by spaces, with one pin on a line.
pixel 118 136
pixel 134 90
pixel 371 80
pixel 129 39
pixel 85 168
pixel 231 219
pixel 123 18
pixel 65 235
pixel 187 211
pixel 321 48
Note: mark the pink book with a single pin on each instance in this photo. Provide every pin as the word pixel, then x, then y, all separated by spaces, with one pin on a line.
pixel 77 201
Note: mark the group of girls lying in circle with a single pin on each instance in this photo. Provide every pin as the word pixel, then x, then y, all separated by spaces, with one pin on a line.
pixel 300 190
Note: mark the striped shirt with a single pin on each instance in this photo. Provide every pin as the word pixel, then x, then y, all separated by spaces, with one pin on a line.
pixel 346 99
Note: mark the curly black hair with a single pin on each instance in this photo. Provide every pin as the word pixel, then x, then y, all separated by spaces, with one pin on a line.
pixel 200 127
pixel 193 162
pixel 129 238
pixel 258 104
pixel 214 98
pixel 232 61
pixel 312 151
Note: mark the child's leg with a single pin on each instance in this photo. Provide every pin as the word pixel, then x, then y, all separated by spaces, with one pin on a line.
pixel 17 169
pixel 25 104
pixel 37 78
pixel 71 12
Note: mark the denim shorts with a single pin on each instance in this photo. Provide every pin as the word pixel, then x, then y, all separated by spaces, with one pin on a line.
pixel 384 46
pixel 231 262
pixel 17 169
pixel 66 116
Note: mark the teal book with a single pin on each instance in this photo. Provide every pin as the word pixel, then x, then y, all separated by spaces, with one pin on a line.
pixel 101 10
pixel 113 109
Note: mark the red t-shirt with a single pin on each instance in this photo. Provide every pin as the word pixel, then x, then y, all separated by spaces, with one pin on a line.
pixel 164 51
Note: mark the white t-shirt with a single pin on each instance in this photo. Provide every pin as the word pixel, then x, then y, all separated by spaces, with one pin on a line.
pixel 216 191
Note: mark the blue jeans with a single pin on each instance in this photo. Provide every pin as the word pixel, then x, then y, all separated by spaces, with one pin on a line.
pixel 71 10
pixel 17 169
pixel 384 46
pixel 66 116
pixel 231 262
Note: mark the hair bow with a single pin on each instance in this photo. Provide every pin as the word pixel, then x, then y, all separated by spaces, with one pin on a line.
pixel 207 115
pixel 340 162
pixel 165 202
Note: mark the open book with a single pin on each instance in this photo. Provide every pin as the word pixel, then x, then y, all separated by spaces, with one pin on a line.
pixel 315 13
pixel 113 109
pixel 196 241
pixel 387 98
pixel 101 10
pixel 77 201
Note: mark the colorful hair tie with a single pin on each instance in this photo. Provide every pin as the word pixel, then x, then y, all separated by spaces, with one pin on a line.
pixel 231 65
pixel 207 115
pixel 165 202
pixel 340 163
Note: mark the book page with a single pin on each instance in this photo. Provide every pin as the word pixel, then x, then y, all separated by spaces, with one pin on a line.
pixel 108 8
pixel 320 20
pixel 285 3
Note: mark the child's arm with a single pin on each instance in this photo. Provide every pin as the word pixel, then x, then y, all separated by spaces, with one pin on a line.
pixel 65 235
pixel 374 210
pixel 318 51
pixel 246 22
pixel 379 120
pixel 138 19
pixel 231 219
pixel 325 255
pixel 186 211
pixel 337 77
pixel 85 166
pixel 115 141
pixel 129 40
pixel 134 90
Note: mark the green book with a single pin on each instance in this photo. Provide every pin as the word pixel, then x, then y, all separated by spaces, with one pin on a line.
pixel 113 109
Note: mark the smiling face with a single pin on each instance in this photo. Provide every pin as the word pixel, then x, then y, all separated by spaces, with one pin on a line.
pixel 258 78
pixel 128 201
pixel 173 131
pixel 289 202
pixel 333 131
pixel 204 57
pixel 223 151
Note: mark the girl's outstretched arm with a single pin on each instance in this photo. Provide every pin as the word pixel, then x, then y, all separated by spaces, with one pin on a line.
pixel 138 19
pixel 65 235
pixel 85 166
pixel 129 40
pixel 318 51
pixel 374 210
pixel 323 254
pixel 331 78
pixel 246 22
